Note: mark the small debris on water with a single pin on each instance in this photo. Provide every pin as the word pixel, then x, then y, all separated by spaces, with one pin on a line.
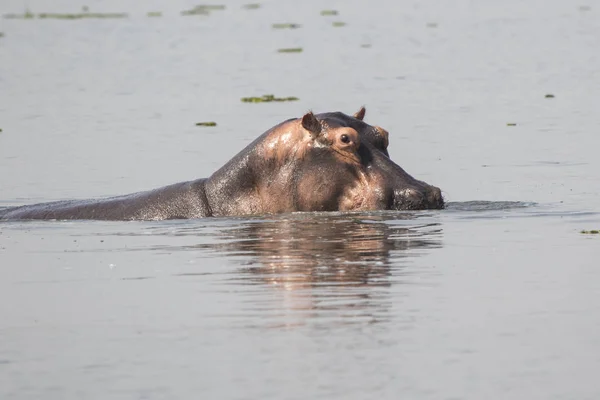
pixel 329 12
pixel 154 14
pixel 291 50
pixel 591 232
pixel 251 6
pixel 585 8
pixel 432 25
pixel 286 26
pixel 338 24
pixel 209 123
pixel 1 34
pixel 549 96
pixel 511 124
pixel 267 98
pixel 365 46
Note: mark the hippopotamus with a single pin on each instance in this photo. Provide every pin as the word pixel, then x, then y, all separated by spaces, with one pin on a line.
pixel 323 162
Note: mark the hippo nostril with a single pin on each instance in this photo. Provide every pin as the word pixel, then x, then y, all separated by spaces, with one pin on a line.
pixel 434 198
pixel 429 197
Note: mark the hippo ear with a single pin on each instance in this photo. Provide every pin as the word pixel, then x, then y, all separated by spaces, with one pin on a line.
pixel 311 124
pixel 360 114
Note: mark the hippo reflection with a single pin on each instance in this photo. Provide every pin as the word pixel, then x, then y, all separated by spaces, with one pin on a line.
pixel 324 162
pixel 328 262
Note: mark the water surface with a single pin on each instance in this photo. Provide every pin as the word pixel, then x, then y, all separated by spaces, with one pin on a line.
pixel 498 296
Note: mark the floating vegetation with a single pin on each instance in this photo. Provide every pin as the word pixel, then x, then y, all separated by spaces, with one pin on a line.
pixel 198 10
pixel 154 14
pixel 329 12
pixel 81 15
pixel 511 124
pixel 252 6
pixel 26 15
pixel 0 129
pixel 286 26
pixel 549 96
pixel 338 24
pixel 290 50
pixel 591 232
pixel 267 98
pixel 210 123
pixel 203 9
pixel 213 7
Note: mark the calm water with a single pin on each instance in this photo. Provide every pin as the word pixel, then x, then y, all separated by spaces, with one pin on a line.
pixel 496 297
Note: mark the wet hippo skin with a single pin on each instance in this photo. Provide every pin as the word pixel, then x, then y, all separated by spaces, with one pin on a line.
pixel 324 162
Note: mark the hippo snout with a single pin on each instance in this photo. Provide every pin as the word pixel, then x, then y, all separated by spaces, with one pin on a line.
pixel 418 198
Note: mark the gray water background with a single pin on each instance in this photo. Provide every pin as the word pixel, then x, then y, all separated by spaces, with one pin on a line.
pixel 496 297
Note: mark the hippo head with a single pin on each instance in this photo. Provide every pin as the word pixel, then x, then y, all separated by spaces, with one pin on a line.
pixel 335 162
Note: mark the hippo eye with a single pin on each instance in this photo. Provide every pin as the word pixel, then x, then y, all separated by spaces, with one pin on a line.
pixel 345 139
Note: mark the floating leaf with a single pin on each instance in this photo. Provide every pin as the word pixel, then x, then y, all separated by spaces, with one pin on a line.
pixel 154 14
pixel 291 50
pixel 195 11
pixel 591 232
pixel 329 12
pixel 549 96
pixel 81 15
pixel 286 26
pixel 511 124
pixel 27 15
pixel 338 24
pixel 267 98
pixel 210 123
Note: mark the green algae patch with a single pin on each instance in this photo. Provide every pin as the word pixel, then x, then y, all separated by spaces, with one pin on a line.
pixel 290 50
pixel 549 96
pixel 268 98
pixel 209 123
pixel 252 6
pixel 591 232
pixel 154 14
pixel 338 24
pixel 511 124
pixel 326 13
pixel 286 26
